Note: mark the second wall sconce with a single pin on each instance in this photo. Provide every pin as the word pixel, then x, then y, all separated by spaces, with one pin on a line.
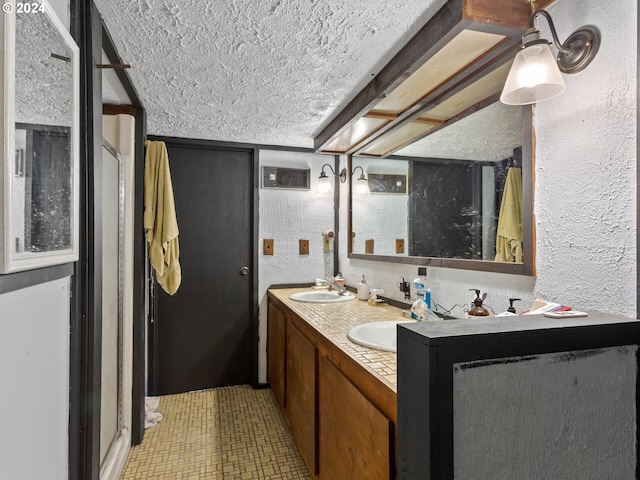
pixel 535 75
pixel 324 182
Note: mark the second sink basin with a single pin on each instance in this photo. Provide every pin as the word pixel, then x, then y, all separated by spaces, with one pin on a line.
pixel 378 335
pixel 320 297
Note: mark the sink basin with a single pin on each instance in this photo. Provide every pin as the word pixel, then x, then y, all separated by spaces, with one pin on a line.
pixel 320 297
pixel 378 335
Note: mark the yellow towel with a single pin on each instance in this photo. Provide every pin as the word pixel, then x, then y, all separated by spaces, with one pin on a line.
pixel 509 233
pixel 160 221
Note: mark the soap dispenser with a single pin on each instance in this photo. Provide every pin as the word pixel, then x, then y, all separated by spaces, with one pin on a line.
pixel 511 308
pixel 363 289
pixel 478 310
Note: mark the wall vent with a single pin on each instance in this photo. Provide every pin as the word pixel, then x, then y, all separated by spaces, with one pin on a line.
pixel 279 177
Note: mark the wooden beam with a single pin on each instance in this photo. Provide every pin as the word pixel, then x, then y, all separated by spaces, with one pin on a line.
pixel 381 115
pixel 451 19
pixel 428 121
pixel 506 13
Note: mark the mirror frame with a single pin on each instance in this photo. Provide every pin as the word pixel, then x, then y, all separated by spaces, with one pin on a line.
pixel 527 267
pixel 10 260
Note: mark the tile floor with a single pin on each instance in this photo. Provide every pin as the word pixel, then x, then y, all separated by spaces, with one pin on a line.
pixel 225 433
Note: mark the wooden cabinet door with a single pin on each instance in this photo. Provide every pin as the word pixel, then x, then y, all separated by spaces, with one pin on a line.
pixel 301 394
pixel 276 353
pixel 354 436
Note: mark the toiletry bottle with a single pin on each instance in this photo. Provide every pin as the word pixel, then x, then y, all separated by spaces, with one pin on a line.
pixel 478 310
pixel 363 289
pixel 427 290
pixel 422 287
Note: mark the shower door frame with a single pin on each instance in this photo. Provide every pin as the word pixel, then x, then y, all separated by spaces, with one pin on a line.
pixel 110 459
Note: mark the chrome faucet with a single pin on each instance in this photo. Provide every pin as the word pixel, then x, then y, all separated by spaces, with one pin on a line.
pixel 334 283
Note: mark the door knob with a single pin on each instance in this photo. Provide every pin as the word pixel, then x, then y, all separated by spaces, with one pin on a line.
pixel 244 271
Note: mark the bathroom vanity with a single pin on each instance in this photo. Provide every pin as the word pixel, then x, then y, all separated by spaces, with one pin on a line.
pixel 339 398
pixel 525 397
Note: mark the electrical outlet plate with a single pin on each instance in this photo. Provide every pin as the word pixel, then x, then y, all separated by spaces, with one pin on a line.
pixel 368 246
pixel 304 247
pixel 267 246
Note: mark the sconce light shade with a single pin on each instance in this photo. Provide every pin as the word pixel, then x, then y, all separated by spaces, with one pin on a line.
pixel 534 76
pixel 324 184
pixel 362 184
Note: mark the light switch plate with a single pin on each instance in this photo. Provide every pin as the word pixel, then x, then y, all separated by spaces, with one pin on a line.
pixel 267 246
pixel 399 245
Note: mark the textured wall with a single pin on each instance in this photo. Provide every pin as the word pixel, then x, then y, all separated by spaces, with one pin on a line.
pixel 286 216
pixel 555 416
pixel 585 184
pixel 586 168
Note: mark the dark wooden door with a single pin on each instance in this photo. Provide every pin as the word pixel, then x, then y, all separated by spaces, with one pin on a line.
pixel 444 210
pixel 205 335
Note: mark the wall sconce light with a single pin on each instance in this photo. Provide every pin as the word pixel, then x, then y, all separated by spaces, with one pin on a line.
pixel 362 184
pixel 535 75
pixel 324 183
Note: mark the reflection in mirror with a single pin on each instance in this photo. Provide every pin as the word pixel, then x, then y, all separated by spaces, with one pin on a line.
pixel 42 183
pixel 381 215
pixel 42 189
pixel 456 182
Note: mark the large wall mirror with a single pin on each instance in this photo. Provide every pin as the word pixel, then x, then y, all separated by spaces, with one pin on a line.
pixel 448 213
pixel 438 149
pixel 40 139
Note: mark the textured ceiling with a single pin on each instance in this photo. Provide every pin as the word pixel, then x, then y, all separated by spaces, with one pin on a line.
pixel 489 134
pixel 43 95
pixel 256 71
